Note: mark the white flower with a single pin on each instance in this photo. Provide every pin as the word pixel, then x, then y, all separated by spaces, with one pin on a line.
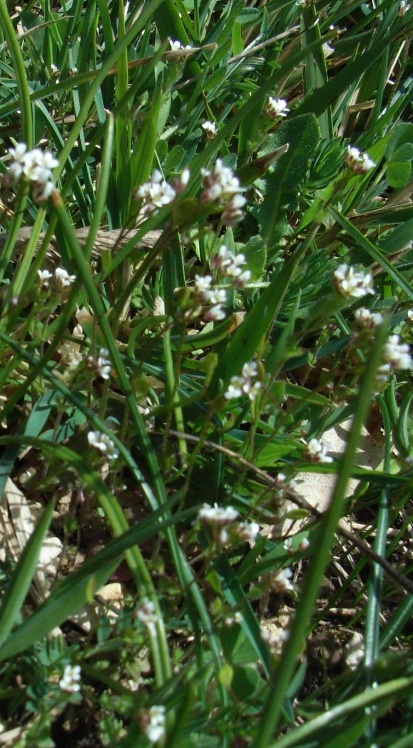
pixel 357 161
pixel 177 46
pixel 103 443
pixel 215 313
pixel 250 369
pixel 397 354
pixel 62 278
pixel 409 317
pixel 243 384
pixel 281 581
pixel 217 515
pixel 44 277
pixel 349 282
pixel 203 283
pixel 221 186
pixel 36 166
pixel 366 318
pixel 104 365
pixel 146 614
pixel 248 531
pixel 155 729
pixel 403 8
pixel 316 451
pixel 276 108
pixel 210 128
pixel 155 193
pixel 71 679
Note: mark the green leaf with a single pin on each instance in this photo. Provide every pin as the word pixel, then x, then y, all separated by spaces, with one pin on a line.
pixel 402 133
pixel 255 252
pixel 398 173
pixel 23 575
pixel 302 135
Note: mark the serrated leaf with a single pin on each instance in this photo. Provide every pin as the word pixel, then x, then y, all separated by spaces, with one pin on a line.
pixel 255 252
pixel 302 135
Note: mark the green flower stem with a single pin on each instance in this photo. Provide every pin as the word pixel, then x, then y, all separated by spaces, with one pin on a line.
pixel 26 126
pixel 172 383
pixel 284 672
pixel 25 105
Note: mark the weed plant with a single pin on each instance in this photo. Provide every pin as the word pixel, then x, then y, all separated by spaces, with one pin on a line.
pixel 206 265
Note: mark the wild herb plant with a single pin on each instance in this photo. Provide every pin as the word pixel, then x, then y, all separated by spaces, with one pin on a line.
pixel 206 265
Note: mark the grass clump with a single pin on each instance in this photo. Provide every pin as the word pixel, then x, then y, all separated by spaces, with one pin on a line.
pixel 206 276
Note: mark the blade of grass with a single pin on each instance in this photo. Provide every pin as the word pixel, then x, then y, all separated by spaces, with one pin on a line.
pixel 284 671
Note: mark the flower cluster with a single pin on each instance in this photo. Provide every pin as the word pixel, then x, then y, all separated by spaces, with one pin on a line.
pixel 157 192
pixel 100 365
pixel 103 444
pixel 34 166
pixel 221 186
pixel 71 679
pixel 177 46
pixel 357 161
pixel 365 318
pixel 404 6
pixel 224 518
pixel 153 723
pixel 276 108
pixel 396 358
pixel 244 384
pixel 231 266
pixel 61 278
pixel 211 299
pixel 210 129
pixel 349 282
pixel 316 451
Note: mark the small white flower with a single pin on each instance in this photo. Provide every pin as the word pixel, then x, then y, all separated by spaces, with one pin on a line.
pixel 243 384
pixel 177 46
pixel 248 531
pixel 71 679
pixel 316 451
pixel 221 186
pixel 155 729
pixel 44 277
pixel 203 283
pixel 210 128
pixel 409 317
pixel 103 443
pixel 397 354
pixel 217 515
pixel 62 278
pixel 281 581
pixel 104 365
pixel 234 389
pixel 357 161
pixel 276 108
pixel 349 282
pixel 368 319
pixel 215 313
pixel 403 8
pixel 250 369
pixel 155 193
pixel 146 614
